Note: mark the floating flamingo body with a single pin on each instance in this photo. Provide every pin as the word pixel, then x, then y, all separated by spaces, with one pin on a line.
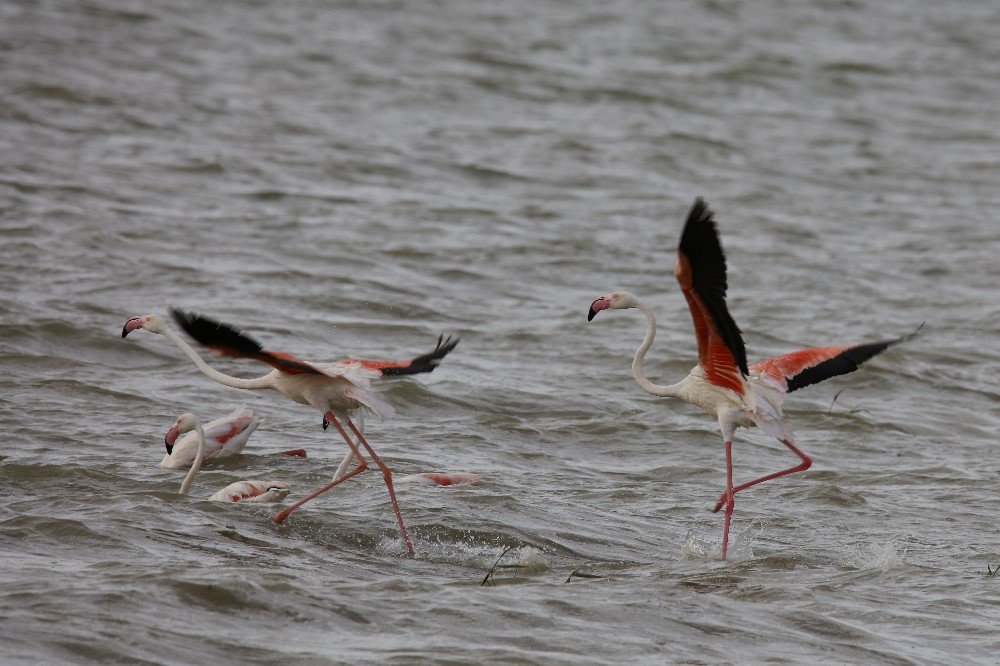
pixel 224 437
pixel 250 490
pixel 722 383
pixel 335 389
pixel 441 479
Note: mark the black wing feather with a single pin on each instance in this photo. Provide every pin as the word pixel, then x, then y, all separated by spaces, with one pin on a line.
pixel 213 333
pixel 843 363
pixel 700 244
pixel 425 362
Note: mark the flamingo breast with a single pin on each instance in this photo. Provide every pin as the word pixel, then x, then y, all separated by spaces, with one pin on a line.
pixel 716 400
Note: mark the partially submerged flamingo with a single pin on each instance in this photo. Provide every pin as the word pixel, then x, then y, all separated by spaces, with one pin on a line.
pixel 722 384
pixel 334 389
pixel 250 490
pixel 224 437
pixel 441 479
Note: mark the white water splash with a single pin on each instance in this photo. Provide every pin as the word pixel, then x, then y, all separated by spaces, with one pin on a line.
pixel 879 556
pixel 740 545
pixel 530 558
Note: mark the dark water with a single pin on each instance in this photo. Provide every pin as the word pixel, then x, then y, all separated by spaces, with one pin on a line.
pixel 353 178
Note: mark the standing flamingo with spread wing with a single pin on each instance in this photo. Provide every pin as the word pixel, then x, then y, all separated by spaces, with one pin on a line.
pixel 250 490
pixel 334 389
pixel 722 384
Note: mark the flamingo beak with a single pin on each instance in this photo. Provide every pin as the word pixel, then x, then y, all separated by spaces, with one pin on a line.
pixel 132 324
pixel 170 438
pixel 599 304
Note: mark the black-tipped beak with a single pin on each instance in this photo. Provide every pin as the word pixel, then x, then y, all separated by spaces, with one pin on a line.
pixel 599 304
pixel 132 324
pixel 170 438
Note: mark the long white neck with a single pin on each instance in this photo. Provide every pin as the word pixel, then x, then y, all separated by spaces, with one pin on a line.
pixel 196 465
pixel 671 391
pixel 228 380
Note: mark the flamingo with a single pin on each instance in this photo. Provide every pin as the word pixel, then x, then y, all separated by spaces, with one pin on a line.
pixel 333 388
pixel 224 437
pixel 440 479
pixel 722 384
pixel 242 491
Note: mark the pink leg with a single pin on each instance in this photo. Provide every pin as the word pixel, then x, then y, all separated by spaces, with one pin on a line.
pixel 801 467
pixel 387 475
pixel 730 492
pixel 362 466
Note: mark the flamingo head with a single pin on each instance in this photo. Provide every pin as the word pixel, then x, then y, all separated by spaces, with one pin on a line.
pixel 184 423
pixel 616 300
pixel 151 322
pixel 277 491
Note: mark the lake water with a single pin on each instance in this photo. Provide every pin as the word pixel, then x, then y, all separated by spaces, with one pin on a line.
pixel 353 178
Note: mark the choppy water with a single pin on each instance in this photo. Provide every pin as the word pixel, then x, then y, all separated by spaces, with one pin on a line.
pixel 351 178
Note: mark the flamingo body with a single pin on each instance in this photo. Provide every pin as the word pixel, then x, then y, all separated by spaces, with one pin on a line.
pixel 252 490
pixel 224 437
pixel 440 479
pixel 722 383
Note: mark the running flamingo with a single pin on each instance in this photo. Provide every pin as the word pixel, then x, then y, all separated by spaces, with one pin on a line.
pixel 241 491
pixel 722 384
pixel 333 388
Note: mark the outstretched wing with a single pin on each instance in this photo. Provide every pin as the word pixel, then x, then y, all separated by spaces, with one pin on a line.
pixel 227 340
pixel 700 269
pixel 423 363
pixel 810 366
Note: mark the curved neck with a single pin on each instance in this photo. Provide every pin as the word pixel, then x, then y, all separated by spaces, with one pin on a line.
pixel 640 357
pixel 212 373
pixel 196 465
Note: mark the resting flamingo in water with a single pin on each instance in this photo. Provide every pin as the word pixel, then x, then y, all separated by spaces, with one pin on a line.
pixel 722 384
pixel 224 437
pixel 334 389
pixel 250 490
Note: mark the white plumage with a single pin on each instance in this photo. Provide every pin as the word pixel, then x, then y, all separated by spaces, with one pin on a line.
pixel 224 437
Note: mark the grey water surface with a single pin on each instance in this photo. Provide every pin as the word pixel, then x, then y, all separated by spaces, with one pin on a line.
pixel 353 178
